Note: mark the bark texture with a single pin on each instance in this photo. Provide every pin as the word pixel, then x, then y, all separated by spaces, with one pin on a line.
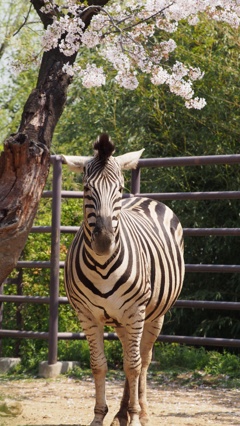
pixel 23 172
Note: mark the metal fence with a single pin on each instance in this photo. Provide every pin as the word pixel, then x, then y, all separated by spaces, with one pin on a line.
pixel 53 335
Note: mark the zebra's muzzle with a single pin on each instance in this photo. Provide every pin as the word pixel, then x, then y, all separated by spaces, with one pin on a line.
pixel 103 240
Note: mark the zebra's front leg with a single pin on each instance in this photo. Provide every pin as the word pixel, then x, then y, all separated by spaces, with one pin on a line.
pixel 94 335
pixel 121 418
pixel 130 337
pixel 132 368
pixel 99 370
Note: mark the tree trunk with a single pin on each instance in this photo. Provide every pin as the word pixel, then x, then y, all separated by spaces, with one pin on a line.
pixel 24 163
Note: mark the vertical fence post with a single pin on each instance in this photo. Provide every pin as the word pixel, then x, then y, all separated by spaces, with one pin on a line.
pixel 135 181
pixel 55 248
pixel 19 317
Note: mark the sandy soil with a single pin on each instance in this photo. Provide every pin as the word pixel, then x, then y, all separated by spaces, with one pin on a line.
pixel 66 401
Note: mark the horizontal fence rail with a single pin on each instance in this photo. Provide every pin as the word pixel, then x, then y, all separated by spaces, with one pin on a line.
pixel 200 304
pixel 188 267
pixel 189 340
pixel 196 196
pixel 202 160
pixel 53 300
pixel 188 232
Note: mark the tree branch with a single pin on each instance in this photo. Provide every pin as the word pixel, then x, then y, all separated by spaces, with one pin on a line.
pixel 24 22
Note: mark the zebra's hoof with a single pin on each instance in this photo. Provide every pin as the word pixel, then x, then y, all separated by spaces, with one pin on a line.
pixel 119 421
pixel 144 421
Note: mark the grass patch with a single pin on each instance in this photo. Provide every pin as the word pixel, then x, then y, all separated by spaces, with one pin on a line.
pixel 175 356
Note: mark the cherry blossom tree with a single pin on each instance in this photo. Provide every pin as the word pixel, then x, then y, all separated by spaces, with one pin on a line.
pixel 130 38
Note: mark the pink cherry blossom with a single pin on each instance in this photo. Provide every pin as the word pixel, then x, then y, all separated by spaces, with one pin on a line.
pixel 124 35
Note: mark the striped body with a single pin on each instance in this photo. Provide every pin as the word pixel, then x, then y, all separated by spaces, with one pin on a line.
pixel 124 268
pixel 148 265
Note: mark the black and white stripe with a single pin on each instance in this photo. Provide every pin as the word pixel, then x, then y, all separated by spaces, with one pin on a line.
pixel 125 268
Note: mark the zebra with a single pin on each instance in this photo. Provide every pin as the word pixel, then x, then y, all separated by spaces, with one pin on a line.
pixel 125 269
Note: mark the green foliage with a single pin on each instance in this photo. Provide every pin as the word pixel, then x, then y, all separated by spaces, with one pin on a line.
pixel 20 50
pixel 75 351
pixel 174 356
pixel 223 364
pixel 113 352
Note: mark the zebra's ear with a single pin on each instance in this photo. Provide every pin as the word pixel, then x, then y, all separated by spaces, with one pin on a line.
pixel 130 160
pixel 75 163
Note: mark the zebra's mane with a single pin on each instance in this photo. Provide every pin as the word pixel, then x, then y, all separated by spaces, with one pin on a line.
pixel 104 147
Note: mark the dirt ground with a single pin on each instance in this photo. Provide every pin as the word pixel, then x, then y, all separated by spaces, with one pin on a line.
pixel 66 401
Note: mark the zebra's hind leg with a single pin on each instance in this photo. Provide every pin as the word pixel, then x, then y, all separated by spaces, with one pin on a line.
pixel 122 418
pixel 150 334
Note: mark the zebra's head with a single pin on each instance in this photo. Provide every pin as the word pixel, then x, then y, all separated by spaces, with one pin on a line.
pixel 103 184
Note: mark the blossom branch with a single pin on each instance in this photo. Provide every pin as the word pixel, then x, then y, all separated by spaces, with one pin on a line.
pixel 148 18
pixel 125 34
